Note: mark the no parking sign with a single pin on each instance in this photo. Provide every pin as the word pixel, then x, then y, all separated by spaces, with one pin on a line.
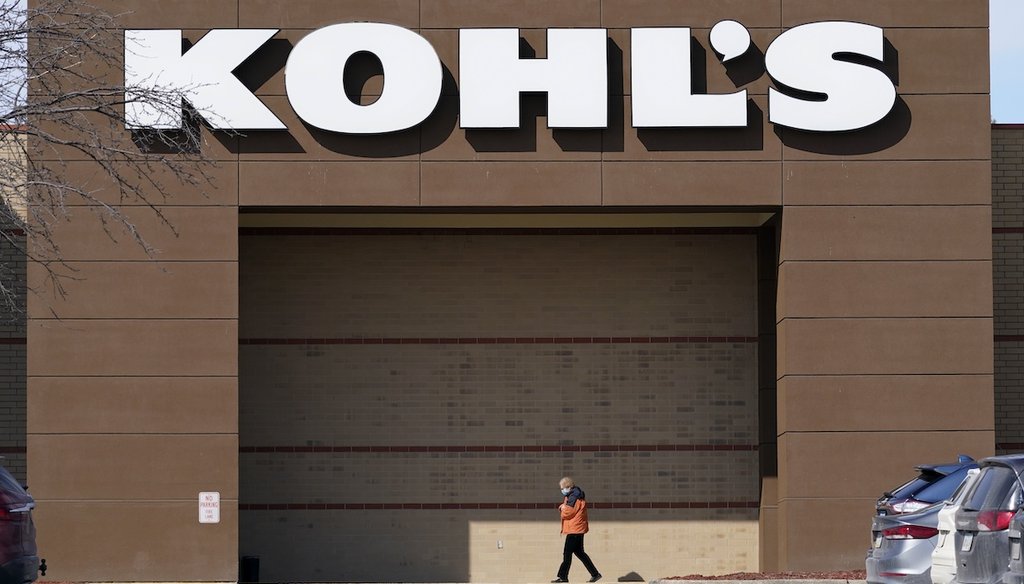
pixel 209 507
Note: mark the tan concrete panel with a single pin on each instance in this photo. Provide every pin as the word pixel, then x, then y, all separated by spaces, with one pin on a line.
pixel 446 43
pixel 887 13
pixel 885 346
pixel 92 128
pixel 511 183
pixel 950 182
pixel 941 60
pixel 886 233
pixel 212 183
pixel 142 541
pixel 136 290
pixel 132 466
pixel 831 534
pixel 768 526
pixel 443 140
pixel 133 405
pixel 510 13
pixel 184 233
pixel 757 141
pixel 375 183
pixel 920 127
pixel 884 289
pixel 306 143
pixel 178 14
pixel 885 403
pixel 693 13
pixel 871 462
pixel 692 183
pixel 319 13
pixel 133 347
pixel 769 492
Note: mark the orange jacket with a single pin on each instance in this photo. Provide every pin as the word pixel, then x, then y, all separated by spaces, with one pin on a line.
pixel 574 519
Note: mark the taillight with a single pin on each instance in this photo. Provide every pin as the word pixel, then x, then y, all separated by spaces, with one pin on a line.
pixel 909 506
pixel 994 520
pixel 909 532
pixel 12 513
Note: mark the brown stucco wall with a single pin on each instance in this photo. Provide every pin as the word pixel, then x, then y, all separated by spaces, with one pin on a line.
pixel 884 237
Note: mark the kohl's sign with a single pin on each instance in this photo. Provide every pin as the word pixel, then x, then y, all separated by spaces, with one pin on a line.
pixel 823 72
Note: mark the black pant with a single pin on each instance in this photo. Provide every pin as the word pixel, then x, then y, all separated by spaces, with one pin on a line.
pixel 574 545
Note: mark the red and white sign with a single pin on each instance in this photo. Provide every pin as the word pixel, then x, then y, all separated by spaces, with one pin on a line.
pixel 209 507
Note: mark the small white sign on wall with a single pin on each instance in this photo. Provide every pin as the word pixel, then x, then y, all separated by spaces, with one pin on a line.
pixel 209 507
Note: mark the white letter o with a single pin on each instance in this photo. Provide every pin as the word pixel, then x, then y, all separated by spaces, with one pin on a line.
pixel 314 78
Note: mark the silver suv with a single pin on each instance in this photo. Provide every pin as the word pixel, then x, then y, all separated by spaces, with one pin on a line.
pixel 983 521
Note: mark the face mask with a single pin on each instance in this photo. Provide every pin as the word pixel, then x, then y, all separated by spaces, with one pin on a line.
pixel 566 491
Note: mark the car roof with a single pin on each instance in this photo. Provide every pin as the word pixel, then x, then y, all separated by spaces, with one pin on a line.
pixel 944 469
pixel 1013 461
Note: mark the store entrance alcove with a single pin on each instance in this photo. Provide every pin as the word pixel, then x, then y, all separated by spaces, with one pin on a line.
pixel 412 387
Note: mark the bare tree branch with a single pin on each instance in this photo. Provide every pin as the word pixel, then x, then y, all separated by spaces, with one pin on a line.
pixel 63 98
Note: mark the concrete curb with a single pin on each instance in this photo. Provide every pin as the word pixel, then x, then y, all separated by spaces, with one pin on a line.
pixel 808 581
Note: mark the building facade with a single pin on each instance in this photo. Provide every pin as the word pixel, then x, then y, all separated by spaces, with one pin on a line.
pixel 383 351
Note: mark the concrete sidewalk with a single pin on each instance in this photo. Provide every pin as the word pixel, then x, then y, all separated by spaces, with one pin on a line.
pixel 801 581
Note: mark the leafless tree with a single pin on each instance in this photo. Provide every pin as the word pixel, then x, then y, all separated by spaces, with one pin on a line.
pixel 64 144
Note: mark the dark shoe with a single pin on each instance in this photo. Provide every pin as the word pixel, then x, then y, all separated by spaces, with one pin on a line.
pixel 595 578
pixel 559 579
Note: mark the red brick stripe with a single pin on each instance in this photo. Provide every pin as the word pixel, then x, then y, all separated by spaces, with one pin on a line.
pixel 496 341
pixel 1010 446
pixel 288 231
pixel 1009 338
pixel 1008 230
pixel 13 341
pixel 531 448
pixel 464 506
pixel 12 450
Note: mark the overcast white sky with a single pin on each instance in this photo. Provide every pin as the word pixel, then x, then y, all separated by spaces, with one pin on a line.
pixel 1007 39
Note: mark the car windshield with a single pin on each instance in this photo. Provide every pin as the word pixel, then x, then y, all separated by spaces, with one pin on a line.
pixel 994 489
pixel 943 488
pixel 8 484
pixel 958 495
pixel 923 480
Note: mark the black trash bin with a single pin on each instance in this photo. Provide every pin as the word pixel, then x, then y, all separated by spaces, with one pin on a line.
pixel 249 571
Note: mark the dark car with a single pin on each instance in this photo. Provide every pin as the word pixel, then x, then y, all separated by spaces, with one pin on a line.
pixel 934 483
pixel 19 560
pixel 983 522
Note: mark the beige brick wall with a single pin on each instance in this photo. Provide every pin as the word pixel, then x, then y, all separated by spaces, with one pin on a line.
pixel 12 322
pixel 12 362
pixel 460 428
pixel 1008 284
